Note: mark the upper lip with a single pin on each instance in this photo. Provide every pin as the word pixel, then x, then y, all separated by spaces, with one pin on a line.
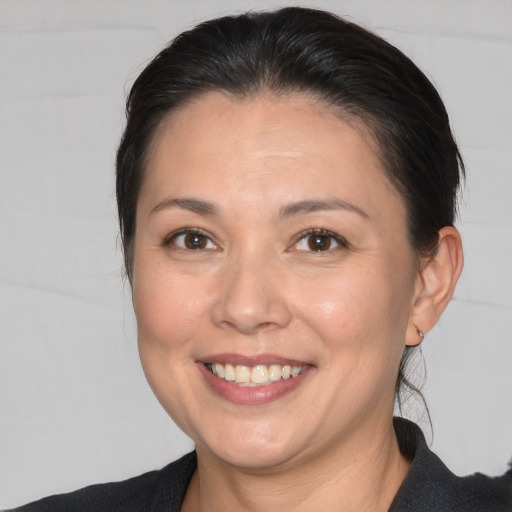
pixel 243 360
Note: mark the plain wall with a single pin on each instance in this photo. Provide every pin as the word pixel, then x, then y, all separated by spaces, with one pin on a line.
pixel 74 405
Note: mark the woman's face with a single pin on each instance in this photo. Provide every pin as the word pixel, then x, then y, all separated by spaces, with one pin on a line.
pixel 270 241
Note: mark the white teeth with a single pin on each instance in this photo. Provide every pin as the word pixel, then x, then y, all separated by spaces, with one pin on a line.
pixel 229 372
pixel 295 371
pixel 219 370
pixel 259 374
pixel 242 374
pixel 256 375
pixel 274 372
pixel 286 372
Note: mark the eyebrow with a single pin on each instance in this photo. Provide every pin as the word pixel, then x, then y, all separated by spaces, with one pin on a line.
pixel 304 207
pixel 193 205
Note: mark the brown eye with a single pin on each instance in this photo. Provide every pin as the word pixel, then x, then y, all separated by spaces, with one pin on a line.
pixel 192 241
pixel 319 242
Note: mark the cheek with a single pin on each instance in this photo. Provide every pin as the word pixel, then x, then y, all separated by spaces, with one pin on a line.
pixel 167 307
pixel 361 324
pixel 357 309
pixel 168 313
pixel 338 303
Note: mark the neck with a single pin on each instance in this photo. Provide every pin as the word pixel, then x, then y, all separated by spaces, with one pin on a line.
pixel 363 474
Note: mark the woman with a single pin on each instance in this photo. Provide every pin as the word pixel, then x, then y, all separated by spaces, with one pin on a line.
pixel 287 189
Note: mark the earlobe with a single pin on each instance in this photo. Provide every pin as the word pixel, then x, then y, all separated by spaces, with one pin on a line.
pixel 435 285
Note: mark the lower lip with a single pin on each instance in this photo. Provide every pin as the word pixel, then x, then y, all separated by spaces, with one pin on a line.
pixel 259 395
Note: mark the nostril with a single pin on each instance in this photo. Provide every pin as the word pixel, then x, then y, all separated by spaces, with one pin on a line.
pixel 249 328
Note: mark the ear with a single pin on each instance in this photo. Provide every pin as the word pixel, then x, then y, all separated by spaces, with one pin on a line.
pixel 435 285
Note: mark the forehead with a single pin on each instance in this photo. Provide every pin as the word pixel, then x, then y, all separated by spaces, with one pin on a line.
pixel 264 113
pixel 261 146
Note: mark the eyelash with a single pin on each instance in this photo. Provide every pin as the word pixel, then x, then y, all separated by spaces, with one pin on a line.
pixel 340 241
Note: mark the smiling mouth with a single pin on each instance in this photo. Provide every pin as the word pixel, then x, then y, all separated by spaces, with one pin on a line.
pixel 254 376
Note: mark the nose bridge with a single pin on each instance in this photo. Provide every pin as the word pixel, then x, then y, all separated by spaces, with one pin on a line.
pixel 253 296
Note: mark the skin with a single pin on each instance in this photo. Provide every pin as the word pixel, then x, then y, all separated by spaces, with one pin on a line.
pixel 257 288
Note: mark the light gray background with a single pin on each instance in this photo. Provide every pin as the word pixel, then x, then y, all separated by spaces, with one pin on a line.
pixel 74 405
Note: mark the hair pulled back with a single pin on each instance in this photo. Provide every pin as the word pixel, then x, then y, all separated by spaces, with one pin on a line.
pixel 351 70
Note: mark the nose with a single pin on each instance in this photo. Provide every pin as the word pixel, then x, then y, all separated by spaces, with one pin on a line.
pixel 252 298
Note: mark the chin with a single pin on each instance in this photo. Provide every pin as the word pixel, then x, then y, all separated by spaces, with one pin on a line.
pixel 252 458
pixel 256 448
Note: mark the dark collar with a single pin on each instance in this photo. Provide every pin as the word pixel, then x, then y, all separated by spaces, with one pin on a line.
pixel 430 486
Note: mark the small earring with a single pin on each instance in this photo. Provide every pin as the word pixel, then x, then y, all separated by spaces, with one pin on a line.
pixel 421 334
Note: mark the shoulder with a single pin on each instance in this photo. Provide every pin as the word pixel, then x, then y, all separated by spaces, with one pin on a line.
pixel 430 485
pixel 150 492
